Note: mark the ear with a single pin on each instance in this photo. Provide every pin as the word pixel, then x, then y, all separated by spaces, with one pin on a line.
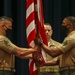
pixel 1 24
pixel 70 25
pixel 52 31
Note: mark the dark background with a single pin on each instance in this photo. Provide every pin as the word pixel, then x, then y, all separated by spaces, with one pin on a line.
pixel 54 12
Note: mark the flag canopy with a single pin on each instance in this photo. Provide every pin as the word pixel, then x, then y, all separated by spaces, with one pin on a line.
pixel 34 27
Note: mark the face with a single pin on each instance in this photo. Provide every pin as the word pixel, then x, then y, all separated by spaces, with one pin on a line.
pixel 66 25
pixel 65 22
pixel 48 31
pixel 5 27
pixel 8 25
pixel 8 28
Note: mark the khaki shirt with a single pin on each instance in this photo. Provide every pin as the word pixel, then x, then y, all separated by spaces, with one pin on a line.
pixel 6 48
pixel 68 49
pixel 48 58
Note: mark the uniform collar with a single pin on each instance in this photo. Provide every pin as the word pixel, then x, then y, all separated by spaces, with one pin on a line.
pixel 50 42
pixel 71 32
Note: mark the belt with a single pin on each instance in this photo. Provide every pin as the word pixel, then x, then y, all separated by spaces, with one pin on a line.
pixel 49 70
pixel 66 68
pixel 8 69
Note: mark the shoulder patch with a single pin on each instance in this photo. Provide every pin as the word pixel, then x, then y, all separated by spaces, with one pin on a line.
pixel 65 43
pixel 6 43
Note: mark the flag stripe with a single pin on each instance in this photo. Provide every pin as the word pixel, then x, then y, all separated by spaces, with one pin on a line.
pixel 33 36
pixel 30 9
pixel 29 19
pixel 30 28
pixel 28 3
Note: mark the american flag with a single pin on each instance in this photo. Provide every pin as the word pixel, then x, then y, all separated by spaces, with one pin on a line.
pixel 34 25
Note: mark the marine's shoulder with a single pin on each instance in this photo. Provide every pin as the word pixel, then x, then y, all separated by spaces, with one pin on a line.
pixel 55 41
pixel 2 37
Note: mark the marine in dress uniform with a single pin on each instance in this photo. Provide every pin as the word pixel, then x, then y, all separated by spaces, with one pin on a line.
pixel 49 70
pixel 66 50
pixel 8 49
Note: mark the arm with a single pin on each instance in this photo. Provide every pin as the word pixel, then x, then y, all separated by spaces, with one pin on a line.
pixel 52 51
pixel 27 56
pixel 67 45
pixel 52 62
pixel 24 52
pixel 9 47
